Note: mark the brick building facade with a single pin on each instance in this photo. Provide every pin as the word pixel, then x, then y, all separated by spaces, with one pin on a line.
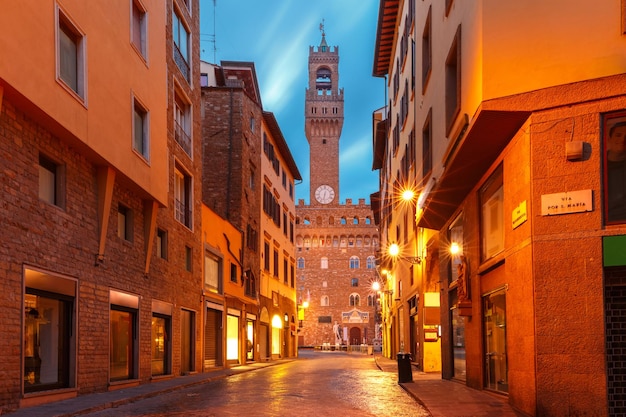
pixel 335 243
pixel 101 272
pixel 249 176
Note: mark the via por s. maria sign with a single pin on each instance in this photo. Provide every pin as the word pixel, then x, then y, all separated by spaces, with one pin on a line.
pixel 567 202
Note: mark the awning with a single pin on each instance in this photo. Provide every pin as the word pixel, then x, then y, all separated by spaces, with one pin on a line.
pixel 485 139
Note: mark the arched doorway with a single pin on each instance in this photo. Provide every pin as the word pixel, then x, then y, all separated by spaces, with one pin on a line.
pixel 355 336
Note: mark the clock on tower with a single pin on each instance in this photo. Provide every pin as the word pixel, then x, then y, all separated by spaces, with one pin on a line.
pixel 324 194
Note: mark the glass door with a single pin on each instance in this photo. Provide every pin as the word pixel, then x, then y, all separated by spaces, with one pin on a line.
pixel 494 325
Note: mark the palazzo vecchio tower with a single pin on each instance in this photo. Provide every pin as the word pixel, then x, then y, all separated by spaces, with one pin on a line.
pixel 336 243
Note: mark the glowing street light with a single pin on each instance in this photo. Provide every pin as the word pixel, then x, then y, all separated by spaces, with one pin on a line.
pixel 455 248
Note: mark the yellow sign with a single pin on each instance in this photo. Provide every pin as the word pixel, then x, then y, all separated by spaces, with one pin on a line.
pixel 519 215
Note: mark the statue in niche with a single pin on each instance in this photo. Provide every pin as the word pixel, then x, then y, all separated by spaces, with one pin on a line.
pixel 462 280
pixel 464 304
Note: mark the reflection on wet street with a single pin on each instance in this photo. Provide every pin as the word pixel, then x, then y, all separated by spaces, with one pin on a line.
pixel 316 384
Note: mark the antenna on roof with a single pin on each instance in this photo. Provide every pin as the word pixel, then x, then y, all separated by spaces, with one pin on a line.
pixel 213 37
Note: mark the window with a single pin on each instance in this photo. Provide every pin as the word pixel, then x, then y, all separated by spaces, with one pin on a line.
pixel 123 352
pixel 233 272
pixel 492 215
pixel 49 332
pixel 453 81
pixel 371 262
pixel 300 263
pixel 212 273
pixel 141 139
pixel 371 300
pixel 249 284
pixel 182 197
pixel 324 301
pixel 614 129
pixel 161 344
pixel 324 263
pixel 182 121
pixel 285 271
pixel 204 79
pixel 181 45
pixel 275 263
pixel 51 182
pixel 139 27
pixel 271 206
pixel 354 282
pixel 188 259
pixel 266 257
pixel 161 244
pixel 427 143
pixel 124 223
pixel 355 299
pixel 354 262
pixel 70 55
pixel 427 53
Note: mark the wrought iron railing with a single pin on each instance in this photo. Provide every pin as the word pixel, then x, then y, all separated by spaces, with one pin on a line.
pixel 183 139
pixel 181 62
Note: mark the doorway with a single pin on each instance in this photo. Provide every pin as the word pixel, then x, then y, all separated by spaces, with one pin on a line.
pixel 494 325
pixel 355 336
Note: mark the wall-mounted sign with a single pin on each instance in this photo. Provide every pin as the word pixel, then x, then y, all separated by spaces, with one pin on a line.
pixel 519 215
pixel 568 202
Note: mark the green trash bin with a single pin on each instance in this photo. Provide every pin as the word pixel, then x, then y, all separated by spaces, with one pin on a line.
pixel 405 373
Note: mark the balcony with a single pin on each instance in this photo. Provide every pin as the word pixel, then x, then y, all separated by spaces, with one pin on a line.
pixel 181 62
pixel 183 138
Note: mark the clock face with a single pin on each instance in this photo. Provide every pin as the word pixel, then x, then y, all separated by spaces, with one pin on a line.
pixel 324 194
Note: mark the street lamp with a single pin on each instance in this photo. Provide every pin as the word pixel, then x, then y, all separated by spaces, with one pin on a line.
pixel 394 252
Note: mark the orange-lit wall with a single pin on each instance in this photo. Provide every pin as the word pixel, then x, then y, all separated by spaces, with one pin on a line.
pixel 115 73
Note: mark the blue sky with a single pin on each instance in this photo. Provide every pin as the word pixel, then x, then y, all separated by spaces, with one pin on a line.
pixel 276 35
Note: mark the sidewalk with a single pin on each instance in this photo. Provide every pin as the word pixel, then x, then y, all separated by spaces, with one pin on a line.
pixel 444 398
pixel 90 403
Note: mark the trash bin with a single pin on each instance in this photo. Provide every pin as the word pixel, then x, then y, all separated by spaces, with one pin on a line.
pixel 405 373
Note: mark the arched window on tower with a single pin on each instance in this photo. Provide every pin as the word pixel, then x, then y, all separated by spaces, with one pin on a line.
pixel 354 262
pixel 325 301
pixel 371 262
pixel 300 263
pixel 323 83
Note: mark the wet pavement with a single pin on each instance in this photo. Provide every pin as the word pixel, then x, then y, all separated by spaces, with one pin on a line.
pixel 444 398
pixel 440 397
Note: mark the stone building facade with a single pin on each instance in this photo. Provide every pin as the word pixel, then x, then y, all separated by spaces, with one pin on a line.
pixel 336 267
pixel 521 214
pixel 335 243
